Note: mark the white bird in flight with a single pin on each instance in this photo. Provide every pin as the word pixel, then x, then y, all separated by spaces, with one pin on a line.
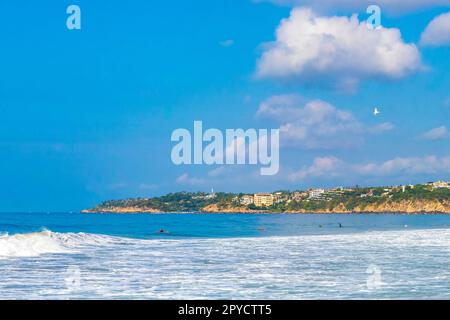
pixel 376 112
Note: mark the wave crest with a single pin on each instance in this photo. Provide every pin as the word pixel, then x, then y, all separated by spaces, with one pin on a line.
pixel 45 242
pixel 30 244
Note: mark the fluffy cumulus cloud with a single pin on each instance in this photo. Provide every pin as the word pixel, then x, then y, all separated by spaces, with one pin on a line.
pixel 335 51
pixel 396 6
pixel 437 33
pixel 315 124
pixel 331 167
pixel 321 167
pixel 436 133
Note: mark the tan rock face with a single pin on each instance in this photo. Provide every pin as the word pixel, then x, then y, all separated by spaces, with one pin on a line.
pixel 404 206
pixel 214 208
pixel 412 206
pixel 123 210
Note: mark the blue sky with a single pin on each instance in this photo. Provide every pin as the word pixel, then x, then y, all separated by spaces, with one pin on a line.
pixel 86 115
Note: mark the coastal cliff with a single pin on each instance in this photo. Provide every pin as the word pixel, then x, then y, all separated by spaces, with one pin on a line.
pixel 407 207
pixel 425 198
pixel 213 208
pixel 413 206
pixel 121 210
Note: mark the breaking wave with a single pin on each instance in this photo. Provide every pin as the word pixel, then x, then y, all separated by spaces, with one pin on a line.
pixel 30 244
pixel 48 242
pixel 412 264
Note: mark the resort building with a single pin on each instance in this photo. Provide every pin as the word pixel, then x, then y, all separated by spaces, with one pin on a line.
pixel 368 194
pixel 440 184
pixel 263 199
pixel 316 193
pixel 299 196
pixel 280 197
pixel 246 200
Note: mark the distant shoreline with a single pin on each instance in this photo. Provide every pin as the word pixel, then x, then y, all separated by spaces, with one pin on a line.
pixel 268 212
pixel 429 198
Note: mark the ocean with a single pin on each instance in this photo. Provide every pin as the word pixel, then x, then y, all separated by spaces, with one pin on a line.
pixel 224 256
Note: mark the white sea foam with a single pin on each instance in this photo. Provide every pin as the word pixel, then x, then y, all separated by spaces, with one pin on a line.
pixel 396 264
pixel 46 242
pixel 30 244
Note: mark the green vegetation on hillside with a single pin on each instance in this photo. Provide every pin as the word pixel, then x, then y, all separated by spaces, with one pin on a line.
pixel 172 202
pixel 285 201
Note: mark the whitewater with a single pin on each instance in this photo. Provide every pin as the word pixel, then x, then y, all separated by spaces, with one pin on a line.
pixel 374 264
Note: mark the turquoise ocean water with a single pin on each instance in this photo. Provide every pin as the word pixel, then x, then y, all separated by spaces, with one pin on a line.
pixel 223 256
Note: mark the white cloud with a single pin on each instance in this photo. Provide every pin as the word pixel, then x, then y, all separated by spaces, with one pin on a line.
pixel 436 133
pixel 381 128
pixel 396 6
pixel 321 167
pixel 437 33
pixel 331 167
pixel 217 172
pixel 315 124
pixel 411 165
pixel 185 179
pixel 335 51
